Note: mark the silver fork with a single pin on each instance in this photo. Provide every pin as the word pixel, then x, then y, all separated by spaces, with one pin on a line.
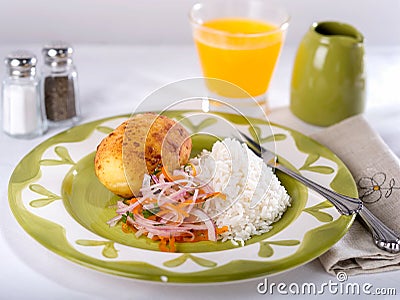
pixel 383 237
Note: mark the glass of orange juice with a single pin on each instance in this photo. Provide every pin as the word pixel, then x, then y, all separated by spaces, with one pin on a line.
pixel 239 41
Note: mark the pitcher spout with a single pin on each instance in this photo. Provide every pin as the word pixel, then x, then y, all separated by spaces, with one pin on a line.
pixel 332 29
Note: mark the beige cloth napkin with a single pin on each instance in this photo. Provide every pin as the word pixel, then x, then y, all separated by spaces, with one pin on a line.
pixel 376 171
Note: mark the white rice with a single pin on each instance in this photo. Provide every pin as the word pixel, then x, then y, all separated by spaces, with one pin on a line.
pixel 254 196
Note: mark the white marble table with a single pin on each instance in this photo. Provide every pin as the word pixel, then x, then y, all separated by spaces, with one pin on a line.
pixel 113 80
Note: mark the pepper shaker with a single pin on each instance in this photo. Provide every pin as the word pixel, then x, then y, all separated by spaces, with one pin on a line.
pixel 22 107
pixel 60 84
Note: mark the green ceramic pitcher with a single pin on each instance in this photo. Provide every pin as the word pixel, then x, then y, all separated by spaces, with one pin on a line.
pixel 328 80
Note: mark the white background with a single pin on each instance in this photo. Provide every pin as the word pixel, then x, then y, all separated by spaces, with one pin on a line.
pixel 166 21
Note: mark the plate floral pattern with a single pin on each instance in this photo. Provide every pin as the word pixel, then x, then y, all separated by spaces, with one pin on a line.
pixel 57 200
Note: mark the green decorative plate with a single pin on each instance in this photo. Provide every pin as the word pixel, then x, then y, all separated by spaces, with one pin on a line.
pixel 56 197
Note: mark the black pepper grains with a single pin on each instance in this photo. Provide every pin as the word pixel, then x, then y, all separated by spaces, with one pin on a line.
pixel 59 98
pixel 60 84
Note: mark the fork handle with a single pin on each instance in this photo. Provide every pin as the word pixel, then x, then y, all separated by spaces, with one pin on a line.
pixel 344 204
pixel 384 238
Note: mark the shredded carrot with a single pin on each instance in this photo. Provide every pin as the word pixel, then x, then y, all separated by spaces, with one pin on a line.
pixel 152 217
pixel 200 235
pixel 171 244
pixel 222 229
pixel 133 200
pixel 166 174
pixel 216 194
pixel 163 245
pixel 137 209
pixel 222 196
pixel 185 203
pixel 211 195
pixel 167 244
pixel 126 228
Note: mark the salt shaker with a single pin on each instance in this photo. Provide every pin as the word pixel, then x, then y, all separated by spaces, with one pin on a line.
pixel 60 84
pixel 22 108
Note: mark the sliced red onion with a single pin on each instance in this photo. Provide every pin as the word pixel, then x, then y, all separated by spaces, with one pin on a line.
pixel 150 206
pixel 180 173
pixel 155 179
pixel 142 220
pixel 167 228
pixel 169 217
pixel 212 235
pixel 178 195
pixel 149 224
pixel 127 208
pixel 121 204
pixel 171 233
pixel 161 178
pixel 140 232
pixel 194 226
pixel 130 221
pixel 112 222
pixel 156 187
pixel 161 201
pixel 146 181
pixel 159 192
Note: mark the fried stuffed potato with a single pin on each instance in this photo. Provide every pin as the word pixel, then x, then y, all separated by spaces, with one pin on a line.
pixel 138 146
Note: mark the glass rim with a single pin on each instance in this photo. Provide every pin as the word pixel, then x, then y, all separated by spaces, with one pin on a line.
pixel 280 28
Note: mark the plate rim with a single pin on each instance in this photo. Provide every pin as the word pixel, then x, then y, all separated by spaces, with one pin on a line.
pixel 348 219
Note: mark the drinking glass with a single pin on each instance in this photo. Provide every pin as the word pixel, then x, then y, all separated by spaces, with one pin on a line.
pixel 239 41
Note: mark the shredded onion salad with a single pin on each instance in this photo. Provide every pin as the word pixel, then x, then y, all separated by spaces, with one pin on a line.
pixel 170 209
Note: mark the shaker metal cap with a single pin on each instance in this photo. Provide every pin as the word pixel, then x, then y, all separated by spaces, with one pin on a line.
pixel 57 52
pixel 21 63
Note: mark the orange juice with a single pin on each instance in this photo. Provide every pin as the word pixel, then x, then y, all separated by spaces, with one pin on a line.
pixel 239 50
